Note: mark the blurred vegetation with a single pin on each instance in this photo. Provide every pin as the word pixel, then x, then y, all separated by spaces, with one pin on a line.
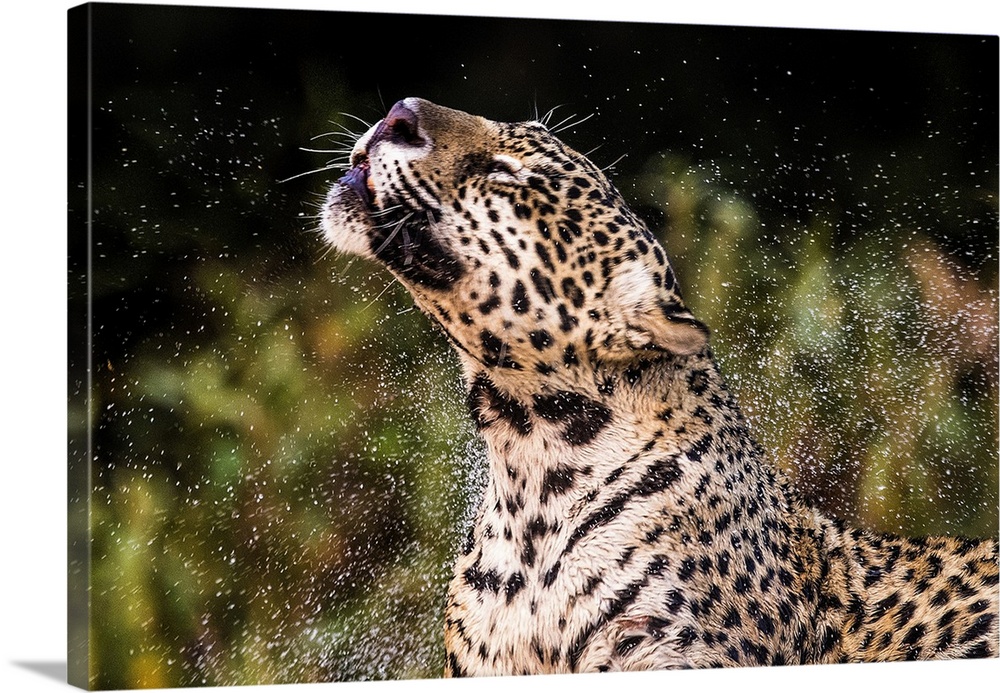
pixel 867 366
pixel 282 464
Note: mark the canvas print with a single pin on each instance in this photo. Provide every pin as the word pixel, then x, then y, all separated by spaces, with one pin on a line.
pixel 433 346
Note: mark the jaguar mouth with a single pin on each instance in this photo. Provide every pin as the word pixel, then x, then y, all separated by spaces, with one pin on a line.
pixel 359 180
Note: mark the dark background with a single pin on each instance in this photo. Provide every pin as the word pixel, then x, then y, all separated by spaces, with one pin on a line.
pixel 281 462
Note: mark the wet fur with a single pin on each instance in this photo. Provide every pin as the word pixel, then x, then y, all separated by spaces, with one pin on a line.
pixel 629 521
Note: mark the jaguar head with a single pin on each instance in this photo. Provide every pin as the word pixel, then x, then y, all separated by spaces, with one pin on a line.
pixel 518 246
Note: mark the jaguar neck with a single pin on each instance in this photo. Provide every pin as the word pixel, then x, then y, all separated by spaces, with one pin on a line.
pixel 596 421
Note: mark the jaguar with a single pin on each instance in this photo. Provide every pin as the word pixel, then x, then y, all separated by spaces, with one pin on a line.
pixel 629 519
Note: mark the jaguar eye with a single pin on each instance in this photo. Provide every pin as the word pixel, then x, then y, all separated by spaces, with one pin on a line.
pixel 506 169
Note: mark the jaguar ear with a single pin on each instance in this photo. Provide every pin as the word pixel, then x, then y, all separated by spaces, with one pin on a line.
pixel 666 326
pixel 655 318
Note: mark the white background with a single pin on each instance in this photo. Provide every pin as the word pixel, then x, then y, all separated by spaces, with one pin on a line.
pixel 33 295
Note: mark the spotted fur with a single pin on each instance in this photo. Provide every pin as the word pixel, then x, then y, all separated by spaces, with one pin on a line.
pixel 629 520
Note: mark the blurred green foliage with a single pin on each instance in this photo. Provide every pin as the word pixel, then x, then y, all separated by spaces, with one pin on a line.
pixel 274 478
pixel 868 368
pixel 282 464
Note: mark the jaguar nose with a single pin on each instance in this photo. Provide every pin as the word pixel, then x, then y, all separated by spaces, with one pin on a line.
pixel 400 126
